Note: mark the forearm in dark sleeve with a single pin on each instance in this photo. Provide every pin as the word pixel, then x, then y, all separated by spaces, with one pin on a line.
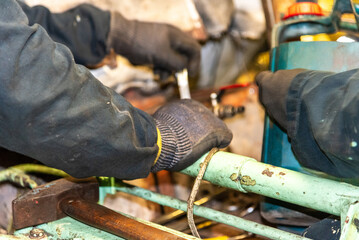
pixel 323 114
pixel 83 29
pixel 56 112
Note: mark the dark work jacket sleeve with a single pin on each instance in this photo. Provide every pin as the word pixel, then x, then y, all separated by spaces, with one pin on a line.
pixel 83 29
pixel 56 112
pixel 323 114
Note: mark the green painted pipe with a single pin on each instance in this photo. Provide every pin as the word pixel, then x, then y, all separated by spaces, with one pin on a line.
pixel 247 175
pixel 208 213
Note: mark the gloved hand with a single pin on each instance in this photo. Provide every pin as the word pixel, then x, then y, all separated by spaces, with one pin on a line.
pixel 187 130
pixel 273 91
pixel 161 45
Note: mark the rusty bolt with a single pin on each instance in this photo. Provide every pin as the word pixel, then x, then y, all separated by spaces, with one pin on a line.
pixel 36 233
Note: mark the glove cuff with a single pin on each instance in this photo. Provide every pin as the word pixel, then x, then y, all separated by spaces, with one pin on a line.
pixel 175 142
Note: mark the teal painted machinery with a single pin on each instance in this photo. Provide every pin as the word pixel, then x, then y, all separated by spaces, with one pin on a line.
pixel 288 54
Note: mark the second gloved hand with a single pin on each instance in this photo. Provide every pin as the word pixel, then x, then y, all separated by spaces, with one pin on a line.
pixel 273 91
pixel 187 130
pixel 161 45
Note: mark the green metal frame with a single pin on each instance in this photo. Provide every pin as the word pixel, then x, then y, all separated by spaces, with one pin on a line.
pixel 242 174
pixel 247 175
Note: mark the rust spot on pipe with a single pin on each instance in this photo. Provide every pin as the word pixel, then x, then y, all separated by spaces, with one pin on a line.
pixel 234 177
pixel 267 172
pixel 277 193
pixel 281 173
pixel 248 181
pixel 347 219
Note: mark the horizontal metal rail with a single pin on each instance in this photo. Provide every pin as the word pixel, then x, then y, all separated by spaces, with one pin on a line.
pixel 247 175
pixel 208 213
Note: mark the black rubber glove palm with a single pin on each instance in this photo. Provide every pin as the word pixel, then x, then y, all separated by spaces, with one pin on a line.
pixel 161 45
pixel 188 130
pixel 273 91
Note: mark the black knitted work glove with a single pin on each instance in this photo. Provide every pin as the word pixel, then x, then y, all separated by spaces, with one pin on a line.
pixel 188 130
pixel 161 45
pixel 273 91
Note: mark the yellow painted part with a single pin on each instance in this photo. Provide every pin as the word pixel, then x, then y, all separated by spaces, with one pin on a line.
pixel 322 37
pixel 218 238
pixel 260 63
pixel 326 5
pixel 317 37
pixel 205 224
pixel 159 144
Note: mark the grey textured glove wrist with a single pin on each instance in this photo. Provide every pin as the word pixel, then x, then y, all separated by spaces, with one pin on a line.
pixel 163 46
pixel 188 130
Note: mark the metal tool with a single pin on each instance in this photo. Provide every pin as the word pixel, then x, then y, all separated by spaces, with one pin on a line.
pixel 183 85
pixel 62 198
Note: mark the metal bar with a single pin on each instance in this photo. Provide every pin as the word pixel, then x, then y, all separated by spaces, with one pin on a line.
pixel 247 175
pixel 110 221
pixel 175 214
pixel 350 223
pixel 208 213
pixel 183 85
pixel 267 6
pixel 109 182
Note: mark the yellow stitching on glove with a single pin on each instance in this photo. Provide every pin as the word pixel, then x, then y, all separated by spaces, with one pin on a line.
pixel 159 144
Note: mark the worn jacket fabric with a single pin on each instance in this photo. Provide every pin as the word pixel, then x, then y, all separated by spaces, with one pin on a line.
pixel 323 114
pixel 56 112
pixel 83 29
